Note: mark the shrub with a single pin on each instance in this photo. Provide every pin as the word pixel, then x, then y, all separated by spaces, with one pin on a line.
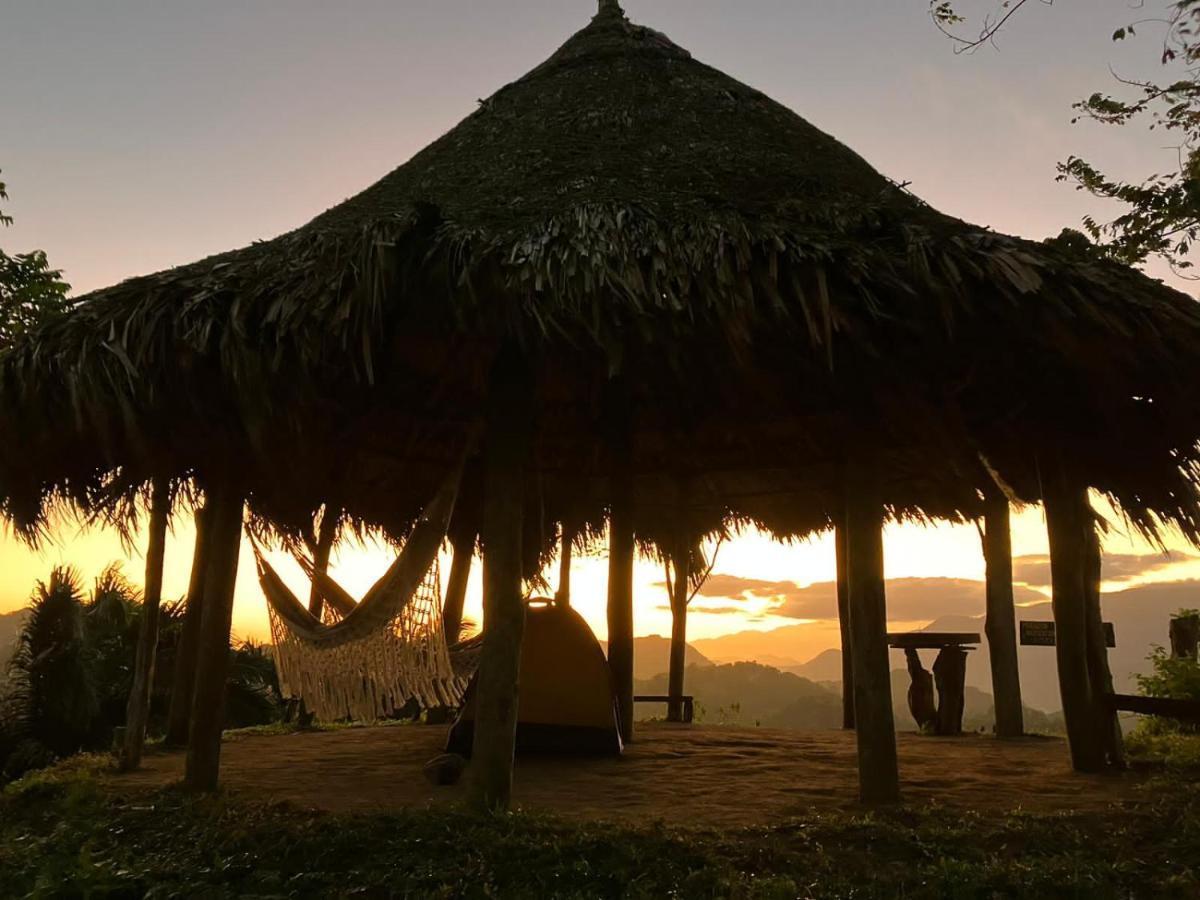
pixel 1173 678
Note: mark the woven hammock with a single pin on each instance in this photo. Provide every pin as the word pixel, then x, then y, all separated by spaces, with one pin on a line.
pixel 364 661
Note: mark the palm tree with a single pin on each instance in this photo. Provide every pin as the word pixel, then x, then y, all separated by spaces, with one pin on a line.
pixel 50 707
pixel 71 672
pixel 112 618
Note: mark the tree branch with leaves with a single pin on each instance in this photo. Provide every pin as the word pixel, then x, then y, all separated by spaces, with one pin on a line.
pixel 30 291
pixel 1162 210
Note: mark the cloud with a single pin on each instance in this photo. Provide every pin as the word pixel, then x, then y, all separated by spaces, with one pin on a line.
pixel 710 610
pixel 734 586
pixel 1034 570
pixel 908 599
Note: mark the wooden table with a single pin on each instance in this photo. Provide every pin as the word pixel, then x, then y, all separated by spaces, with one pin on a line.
pixel 949 676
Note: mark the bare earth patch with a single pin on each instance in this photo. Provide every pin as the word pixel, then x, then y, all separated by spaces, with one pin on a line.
pixel 685 775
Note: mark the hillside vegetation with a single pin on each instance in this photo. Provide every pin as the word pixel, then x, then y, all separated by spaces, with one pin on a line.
pixel 753 694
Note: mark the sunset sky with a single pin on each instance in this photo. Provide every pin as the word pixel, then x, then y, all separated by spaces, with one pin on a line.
pixel 140 134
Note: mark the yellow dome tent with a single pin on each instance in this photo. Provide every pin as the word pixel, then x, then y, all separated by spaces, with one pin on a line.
pixel 567 701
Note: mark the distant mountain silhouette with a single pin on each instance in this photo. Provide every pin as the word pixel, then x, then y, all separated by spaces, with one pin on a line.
pixel 752 694
pixel 825 666
pixel 1140 616
pixel 10 627
pixel 652 656
pixel 748 693
pixel 783 647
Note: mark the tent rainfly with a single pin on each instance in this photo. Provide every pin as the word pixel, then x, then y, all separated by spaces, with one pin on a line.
pixel 624 272
pixel 567 704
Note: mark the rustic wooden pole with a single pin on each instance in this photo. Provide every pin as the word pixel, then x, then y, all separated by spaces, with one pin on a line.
pixel 1000 626
pixel 843 600
pixel 950 676
pixel 322 551
pixel 620 584
pixel 183 679
pixel 137 710
pixel 1184 635
pixel 1067 521
pixel 680 560
pixel 456 585
pixel 921 699
pixel 226 509
pixel 1099 672
pixel 878 769
pixel 563 594
pixel 506 455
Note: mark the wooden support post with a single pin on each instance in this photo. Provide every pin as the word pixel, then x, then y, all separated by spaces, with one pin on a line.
pixel 506 454
pixel 1001 623
pixel 1068 517
pixel 183 679
pixel 1184 635
pixel 137 710
pixel 226 510
pixel 680 595
pixel 621 548
pixel 322 550
pixel 843 600
pixel 1099 673
pixel 950 678
pixel 621 551
pixel 456 585
pixel 878 769
pixel 563 594
pixel 922 702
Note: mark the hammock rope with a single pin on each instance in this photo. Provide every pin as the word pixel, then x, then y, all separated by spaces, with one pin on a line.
pixel 364 661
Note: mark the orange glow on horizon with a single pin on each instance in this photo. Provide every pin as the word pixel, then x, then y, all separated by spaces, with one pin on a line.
pixel 911 551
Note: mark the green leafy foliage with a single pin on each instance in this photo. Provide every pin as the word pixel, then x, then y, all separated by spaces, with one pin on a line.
pixel 1169 749
pixel 252 696
pixel 113 619
pixel 30 291
pixel 71 832
pixel 5 220
pixel 1172 678
pixel 51 704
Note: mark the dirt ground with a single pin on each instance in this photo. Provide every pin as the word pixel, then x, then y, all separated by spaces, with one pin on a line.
pixel 684 775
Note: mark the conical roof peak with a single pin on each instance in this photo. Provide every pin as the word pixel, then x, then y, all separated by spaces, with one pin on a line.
pixel 611 34
pixel 610 8
pixel 623 118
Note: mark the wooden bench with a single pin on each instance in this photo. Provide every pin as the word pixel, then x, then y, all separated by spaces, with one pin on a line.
pixel 689 703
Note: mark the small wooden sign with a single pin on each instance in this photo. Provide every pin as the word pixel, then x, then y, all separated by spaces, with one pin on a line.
pixel 1041 634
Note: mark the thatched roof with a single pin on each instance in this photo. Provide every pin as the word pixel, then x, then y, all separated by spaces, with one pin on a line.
pixel 772 302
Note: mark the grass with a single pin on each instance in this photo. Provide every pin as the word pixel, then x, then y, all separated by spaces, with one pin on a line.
pixel 1164 749
pixel 69 832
